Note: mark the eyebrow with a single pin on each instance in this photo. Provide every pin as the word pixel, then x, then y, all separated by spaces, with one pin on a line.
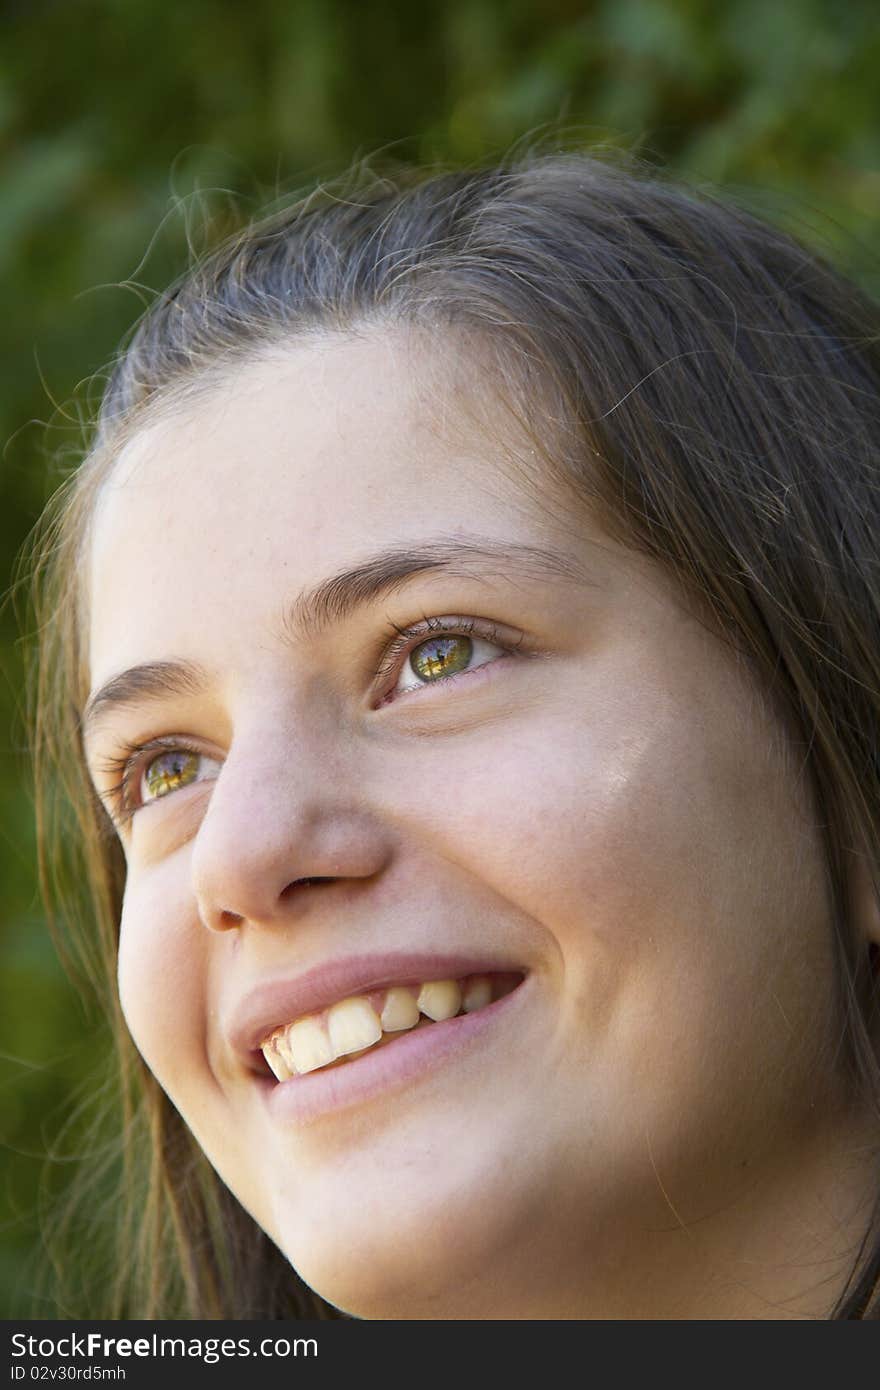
pixel 337 598
pixel 150 682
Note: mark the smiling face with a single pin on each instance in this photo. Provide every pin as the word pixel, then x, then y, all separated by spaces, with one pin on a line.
pixel 558 780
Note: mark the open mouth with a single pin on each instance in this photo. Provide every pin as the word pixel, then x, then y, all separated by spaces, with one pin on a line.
pixel 366 1022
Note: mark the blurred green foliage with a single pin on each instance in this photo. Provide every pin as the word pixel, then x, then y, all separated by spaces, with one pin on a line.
pixel 113 113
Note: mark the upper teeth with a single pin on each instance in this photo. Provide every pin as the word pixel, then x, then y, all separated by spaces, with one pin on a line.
pixel 359 1022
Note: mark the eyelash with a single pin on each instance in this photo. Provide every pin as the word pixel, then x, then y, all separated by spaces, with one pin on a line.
pixel 127 766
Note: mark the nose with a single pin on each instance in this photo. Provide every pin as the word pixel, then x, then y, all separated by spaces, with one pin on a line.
pixel 280 817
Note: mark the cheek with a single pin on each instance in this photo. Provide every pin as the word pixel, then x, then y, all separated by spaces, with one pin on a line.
pixel 668 865
pixel 581 822
pixel 161 974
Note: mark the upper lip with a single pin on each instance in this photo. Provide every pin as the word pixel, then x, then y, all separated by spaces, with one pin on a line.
pixel 275 1003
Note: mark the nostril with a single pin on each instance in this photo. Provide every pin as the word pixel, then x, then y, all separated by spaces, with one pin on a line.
pixel 306 882
pixel 227 920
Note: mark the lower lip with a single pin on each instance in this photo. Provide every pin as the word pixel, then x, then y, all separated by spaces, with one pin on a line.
pixel 410 1057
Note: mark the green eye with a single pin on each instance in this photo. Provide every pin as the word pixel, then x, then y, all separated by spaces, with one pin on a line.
pixel 441 656
pixel 169 772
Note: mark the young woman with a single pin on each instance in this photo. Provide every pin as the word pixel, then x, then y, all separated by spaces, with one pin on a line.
pixel 462 660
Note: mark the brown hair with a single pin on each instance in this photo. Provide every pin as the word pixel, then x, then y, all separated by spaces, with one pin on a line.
pixel 714 388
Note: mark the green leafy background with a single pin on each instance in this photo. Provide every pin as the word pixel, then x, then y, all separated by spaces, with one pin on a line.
pixel 114 114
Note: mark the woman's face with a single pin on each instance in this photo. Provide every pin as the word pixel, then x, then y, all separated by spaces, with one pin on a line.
pixel 559 780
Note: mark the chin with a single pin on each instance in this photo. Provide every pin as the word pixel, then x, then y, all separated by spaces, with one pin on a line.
pixel 440 1261
pixel 396 1288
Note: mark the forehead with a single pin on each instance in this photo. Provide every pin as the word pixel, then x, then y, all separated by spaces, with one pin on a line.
pixel 285 471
